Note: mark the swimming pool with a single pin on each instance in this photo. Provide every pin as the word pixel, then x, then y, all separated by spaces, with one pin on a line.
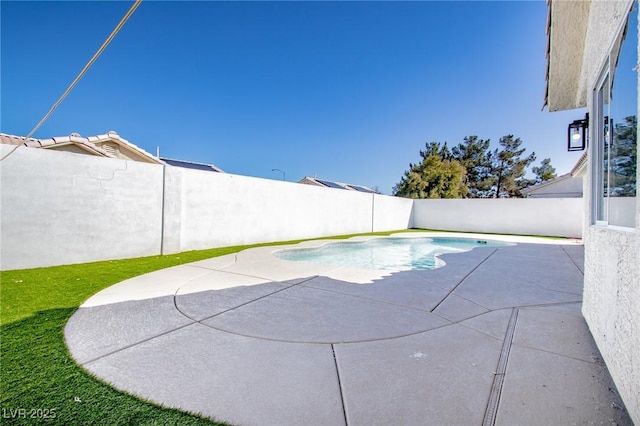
pixel 396 254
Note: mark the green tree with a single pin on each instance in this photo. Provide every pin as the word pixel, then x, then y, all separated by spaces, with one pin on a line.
pixel 623 160
pixel 509 168
pixel 434 148
pixel 545 172
pixel 473 153
pixel 438 175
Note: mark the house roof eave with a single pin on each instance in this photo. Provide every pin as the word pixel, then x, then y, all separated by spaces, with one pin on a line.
pixel 90 148
pixel 567 23
pixel 113 136
pixel 580 166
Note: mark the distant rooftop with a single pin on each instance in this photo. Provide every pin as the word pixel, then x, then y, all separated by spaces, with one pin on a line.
pixel 191 165
pixel 110 145
pixel 336 185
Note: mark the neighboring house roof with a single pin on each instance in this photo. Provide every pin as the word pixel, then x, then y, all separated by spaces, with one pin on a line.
pixel 109 145
pixel 561 185
pixel 53 143
pixel 546 186
pixel 191 165
pixel 580 168
pixel 336 185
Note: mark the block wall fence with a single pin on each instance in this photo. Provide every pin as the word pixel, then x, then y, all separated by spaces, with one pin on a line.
pixel 63 208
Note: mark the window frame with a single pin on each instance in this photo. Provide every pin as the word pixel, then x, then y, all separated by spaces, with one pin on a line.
pixel 597 118
pixel 600 202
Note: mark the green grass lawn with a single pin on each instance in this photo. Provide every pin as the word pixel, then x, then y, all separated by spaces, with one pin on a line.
pixel 38 377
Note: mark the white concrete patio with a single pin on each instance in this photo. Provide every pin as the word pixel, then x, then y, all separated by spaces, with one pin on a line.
pixel 494 337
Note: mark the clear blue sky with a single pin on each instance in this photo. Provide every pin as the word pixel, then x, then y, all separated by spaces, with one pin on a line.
pixel 348 91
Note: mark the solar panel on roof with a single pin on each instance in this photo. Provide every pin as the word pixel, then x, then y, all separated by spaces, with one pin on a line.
pixel 189 165
pixel 330 184
pixel 362 189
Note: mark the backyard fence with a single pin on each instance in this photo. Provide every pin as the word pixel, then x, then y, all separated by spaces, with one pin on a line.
pixel 63 208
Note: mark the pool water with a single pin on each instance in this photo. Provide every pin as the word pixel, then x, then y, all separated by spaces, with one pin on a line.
pixel 397 254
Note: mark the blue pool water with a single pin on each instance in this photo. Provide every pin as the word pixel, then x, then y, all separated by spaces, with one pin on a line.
pixel 397 254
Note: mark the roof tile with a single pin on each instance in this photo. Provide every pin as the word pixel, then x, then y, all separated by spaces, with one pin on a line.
pixel 91 144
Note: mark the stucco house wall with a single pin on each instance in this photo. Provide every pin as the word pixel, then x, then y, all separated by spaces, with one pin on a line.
pixel 611 301
pixel 611 307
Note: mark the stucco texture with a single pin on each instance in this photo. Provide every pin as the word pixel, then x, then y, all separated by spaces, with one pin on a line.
pixel 62 208
pixel 580 36
pixel 530 216
pixel 611 306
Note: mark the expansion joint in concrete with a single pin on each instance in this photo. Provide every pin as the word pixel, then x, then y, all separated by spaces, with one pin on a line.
pixel 498 378
pixel 572 260
pixel 139 342
pixel 462 280
pixel 240 305
pixel 335 360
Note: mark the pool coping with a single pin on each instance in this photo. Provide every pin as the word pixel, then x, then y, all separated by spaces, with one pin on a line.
pixel 264 266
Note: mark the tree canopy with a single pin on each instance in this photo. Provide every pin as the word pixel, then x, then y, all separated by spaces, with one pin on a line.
pixel 623 158
pixel 509 168
pixel 473 154
pixel 471 170
pixel 545 172
pixel 438 175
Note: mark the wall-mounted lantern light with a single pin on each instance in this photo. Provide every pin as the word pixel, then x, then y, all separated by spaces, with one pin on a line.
pixel 577 134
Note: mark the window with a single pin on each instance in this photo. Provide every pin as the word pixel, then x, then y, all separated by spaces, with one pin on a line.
pixel 615 108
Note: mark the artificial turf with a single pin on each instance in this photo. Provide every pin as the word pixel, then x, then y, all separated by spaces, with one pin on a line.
pixel 39 381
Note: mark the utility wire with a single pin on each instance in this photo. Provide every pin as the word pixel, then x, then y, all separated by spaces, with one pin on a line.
pixel 80 75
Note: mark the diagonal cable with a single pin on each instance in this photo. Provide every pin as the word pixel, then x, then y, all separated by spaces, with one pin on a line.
pixel 80 75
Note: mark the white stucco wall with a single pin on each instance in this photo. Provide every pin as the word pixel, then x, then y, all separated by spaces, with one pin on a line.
pixel 611 300
pixel 605 19
pixel 63 208
pixel 172 211
pixel 220 209
pixel 391 213
pixel 560 217
pixel 57 210
pixel 611 306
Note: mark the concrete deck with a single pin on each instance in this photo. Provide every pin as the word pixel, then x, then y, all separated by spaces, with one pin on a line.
pixel 494 337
